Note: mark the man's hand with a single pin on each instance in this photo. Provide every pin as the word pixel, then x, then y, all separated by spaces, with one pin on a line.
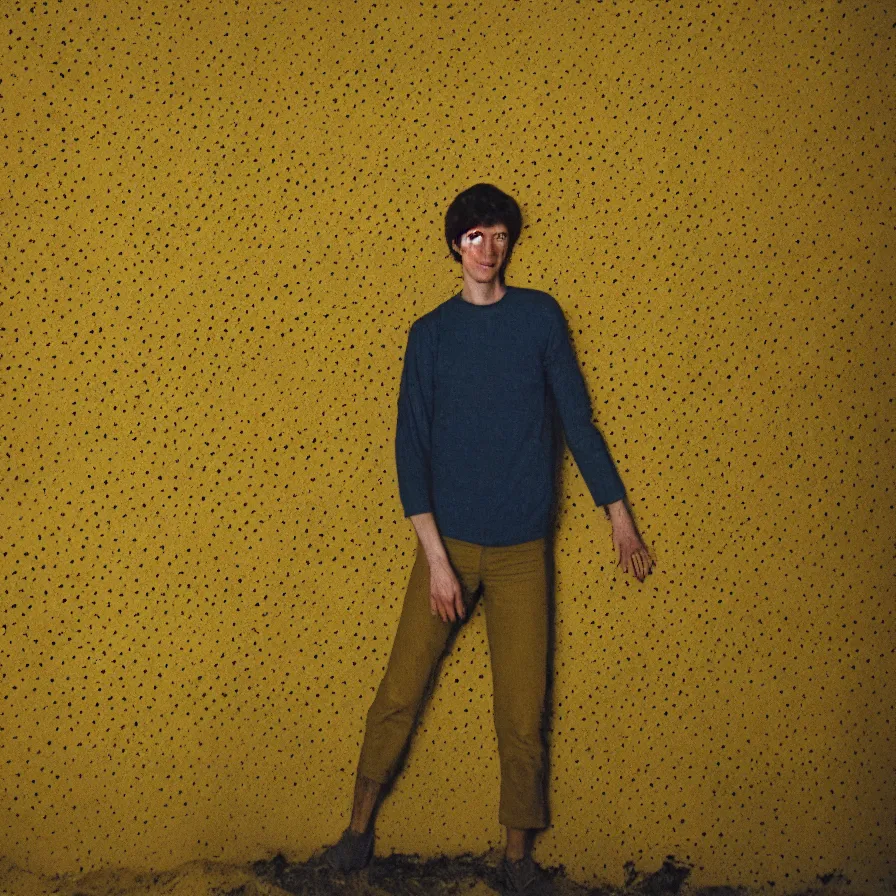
pixel 633 554
pixel 445 594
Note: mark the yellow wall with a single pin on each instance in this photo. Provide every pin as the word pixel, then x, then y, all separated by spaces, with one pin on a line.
pixel 219 221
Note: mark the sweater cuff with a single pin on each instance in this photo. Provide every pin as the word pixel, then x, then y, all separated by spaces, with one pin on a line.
pixel 412 508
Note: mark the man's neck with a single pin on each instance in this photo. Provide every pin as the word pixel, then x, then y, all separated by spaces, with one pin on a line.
pixel 483 293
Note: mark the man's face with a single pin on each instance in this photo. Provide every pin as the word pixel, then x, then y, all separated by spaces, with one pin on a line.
pixel 483 251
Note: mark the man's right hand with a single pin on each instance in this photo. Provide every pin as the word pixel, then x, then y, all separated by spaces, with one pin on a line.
pixel 445 594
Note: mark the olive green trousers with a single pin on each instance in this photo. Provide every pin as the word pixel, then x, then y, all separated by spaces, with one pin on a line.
pixel 513 586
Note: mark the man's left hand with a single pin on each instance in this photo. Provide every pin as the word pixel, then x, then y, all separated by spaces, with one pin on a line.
pixel 633 554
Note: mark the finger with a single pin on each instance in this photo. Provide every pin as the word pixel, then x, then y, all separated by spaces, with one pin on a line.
pixel 638 566
pixel 632 565
pixel 647 562
pixel 448 604
pixel 459 605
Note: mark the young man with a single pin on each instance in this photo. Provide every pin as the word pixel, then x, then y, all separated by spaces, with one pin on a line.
pixel 483 376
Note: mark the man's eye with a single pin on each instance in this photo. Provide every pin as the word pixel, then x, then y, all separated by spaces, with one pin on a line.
pixel 501 237
pixel 474 238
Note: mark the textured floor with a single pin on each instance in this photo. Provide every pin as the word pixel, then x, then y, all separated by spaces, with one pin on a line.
pixel 396 875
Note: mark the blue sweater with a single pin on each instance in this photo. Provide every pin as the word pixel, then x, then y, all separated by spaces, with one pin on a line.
pixel 475 438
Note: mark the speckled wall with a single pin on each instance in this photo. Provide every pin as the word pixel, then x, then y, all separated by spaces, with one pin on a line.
pixel 218 223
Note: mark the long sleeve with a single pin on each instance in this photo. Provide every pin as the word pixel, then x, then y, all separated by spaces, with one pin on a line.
pixel 413 436
pixel 571 398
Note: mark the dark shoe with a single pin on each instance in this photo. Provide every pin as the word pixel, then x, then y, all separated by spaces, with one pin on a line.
pixel 525 877
pixel 352 853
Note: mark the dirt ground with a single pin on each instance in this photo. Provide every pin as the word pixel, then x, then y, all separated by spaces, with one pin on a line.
pixel 396 875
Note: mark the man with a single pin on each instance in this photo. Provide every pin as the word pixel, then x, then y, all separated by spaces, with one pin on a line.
pixel 483 376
